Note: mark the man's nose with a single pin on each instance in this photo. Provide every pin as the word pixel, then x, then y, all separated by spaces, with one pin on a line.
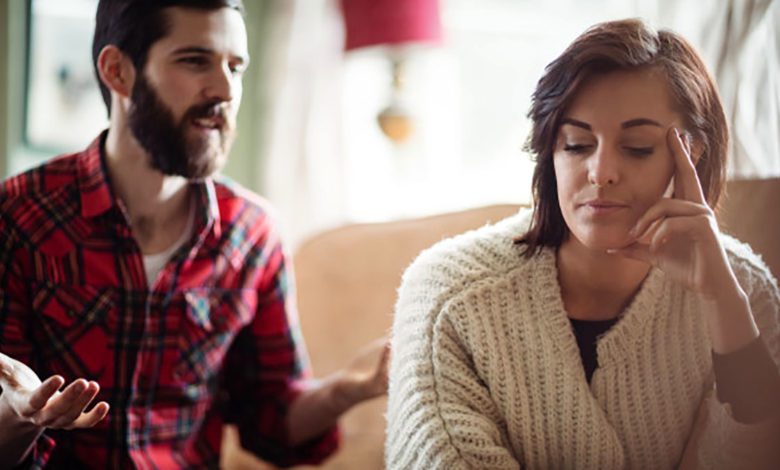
pixel 222 84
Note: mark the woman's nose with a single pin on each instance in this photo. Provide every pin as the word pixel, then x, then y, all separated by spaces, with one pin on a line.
pixel 604 168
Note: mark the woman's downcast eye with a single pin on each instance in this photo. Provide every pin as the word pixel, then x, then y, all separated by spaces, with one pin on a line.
pixel 581 149
pixel 576 149
pixel 640 151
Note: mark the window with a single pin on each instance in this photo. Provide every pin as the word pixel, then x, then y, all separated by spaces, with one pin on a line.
pixel 64 109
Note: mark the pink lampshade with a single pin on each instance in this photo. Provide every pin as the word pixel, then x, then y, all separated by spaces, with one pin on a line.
pixel 374 22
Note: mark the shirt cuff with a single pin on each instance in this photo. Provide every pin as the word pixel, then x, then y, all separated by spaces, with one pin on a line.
pixel 269 441
pixel 748 380
pixel 40 454
pixel 315 451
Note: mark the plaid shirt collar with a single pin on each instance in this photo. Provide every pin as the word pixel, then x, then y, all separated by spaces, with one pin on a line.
pixel 97 196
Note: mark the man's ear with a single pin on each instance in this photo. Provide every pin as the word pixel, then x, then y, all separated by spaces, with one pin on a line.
pixel 116 70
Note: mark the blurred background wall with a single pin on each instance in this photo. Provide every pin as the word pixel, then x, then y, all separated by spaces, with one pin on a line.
pixel 375 110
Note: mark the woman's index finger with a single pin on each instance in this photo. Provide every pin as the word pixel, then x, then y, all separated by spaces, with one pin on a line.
pixel 687 185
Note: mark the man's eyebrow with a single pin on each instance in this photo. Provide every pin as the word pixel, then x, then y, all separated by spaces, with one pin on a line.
pixel 574 122
pixel 193 50
pixel 204 50
pixel 640 122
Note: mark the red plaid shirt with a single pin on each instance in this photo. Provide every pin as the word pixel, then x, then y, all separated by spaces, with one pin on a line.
pixel 214 340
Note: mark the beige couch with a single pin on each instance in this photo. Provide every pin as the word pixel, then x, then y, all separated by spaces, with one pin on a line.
pixel 750 210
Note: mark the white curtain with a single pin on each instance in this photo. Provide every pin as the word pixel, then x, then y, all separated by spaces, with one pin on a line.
pixel 303 176
pixel 746 38
pixel 740 41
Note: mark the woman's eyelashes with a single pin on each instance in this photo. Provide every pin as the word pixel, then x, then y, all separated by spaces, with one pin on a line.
pixel 576 149
pixel 632 150
pixel 640 151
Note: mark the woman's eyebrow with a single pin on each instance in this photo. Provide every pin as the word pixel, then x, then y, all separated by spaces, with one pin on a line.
pixel 574 122
pixel 640 122
pixel 625 125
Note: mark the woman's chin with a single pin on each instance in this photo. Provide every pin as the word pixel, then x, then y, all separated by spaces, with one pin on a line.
pixel 604 243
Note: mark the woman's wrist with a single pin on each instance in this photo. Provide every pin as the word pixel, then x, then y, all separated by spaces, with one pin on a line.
pixel 730 319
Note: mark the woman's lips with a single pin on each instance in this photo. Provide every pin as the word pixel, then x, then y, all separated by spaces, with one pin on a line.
pixel 603 206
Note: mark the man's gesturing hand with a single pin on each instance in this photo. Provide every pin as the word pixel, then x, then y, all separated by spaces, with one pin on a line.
pixel 42 404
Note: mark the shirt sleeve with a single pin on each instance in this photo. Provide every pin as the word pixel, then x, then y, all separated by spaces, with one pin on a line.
pixel 40 455
pixel 266 371
pixel 14 301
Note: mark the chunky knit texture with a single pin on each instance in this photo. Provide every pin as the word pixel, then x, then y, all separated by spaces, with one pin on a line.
pixel 486 373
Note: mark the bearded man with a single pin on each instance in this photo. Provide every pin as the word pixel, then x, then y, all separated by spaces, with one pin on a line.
pixel 145 303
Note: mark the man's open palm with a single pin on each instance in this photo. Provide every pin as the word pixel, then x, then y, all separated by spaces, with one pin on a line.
pixel 42 404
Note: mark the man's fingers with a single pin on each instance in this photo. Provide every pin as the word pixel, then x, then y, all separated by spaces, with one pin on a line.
pixel 66 410
pixel 61 404
pixel 687 184
pixel 87 420
pixel 78 406
pixel 384 363
pixel 41 395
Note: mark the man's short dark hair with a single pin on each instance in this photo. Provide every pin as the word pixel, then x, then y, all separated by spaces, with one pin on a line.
pixel 134 25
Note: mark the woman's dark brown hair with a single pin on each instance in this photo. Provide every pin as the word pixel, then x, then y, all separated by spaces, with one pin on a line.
pixel 606 47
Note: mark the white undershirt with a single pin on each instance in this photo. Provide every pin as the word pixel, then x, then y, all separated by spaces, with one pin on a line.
pixel 153 264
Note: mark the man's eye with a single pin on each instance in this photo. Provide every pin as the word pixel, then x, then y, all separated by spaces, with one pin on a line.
pixel 576 149
pixel 193 61
pixel 640 151
pixel 237 69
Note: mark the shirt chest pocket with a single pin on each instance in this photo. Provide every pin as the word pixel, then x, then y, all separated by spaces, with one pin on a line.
pixel 73 337
pixel 210 322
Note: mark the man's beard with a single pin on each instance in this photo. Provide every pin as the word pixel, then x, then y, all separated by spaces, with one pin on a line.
pixel 170 151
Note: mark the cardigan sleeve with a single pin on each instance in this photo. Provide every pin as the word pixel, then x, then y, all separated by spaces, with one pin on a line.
pixel 440 414
pixel 748 380
pixel 719 441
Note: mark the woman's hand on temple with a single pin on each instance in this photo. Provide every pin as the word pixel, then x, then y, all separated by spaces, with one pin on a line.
pixel 679 235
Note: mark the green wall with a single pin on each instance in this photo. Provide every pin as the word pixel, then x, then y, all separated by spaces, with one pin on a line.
pixel 245 160
pixel 3 83
pixel 244 164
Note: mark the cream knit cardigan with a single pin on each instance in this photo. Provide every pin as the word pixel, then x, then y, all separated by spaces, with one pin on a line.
pixel 486 372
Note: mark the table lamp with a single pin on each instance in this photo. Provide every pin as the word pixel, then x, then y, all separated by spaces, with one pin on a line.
pixel 393 25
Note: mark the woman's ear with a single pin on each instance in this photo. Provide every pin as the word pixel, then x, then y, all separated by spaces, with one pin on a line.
pixel 695 147
pixel 116 71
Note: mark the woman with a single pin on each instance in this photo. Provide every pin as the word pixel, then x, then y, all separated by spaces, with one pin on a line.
pixel 594 331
